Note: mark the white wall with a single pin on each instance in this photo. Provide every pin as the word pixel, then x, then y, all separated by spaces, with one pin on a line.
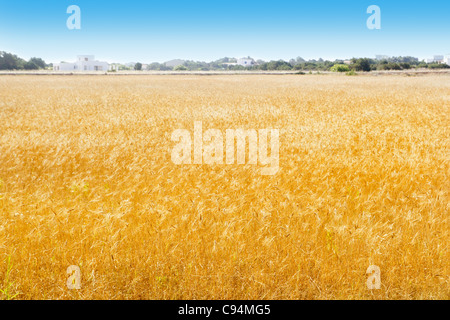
pixel 63 66
pixel 447 59
pixel 84 57
pixel 92 66
pixel 245 62
pixel 82 65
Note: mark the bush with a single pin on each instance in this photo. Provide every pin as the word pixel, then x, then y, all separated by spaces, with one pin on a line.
pixel 405 66
pixel 180 68
pixel 438 66
pixel 340 68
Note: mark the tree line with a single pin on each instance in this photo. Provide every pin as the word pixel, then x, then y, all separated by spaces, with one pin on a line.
pixel 300 64
pixel 9 61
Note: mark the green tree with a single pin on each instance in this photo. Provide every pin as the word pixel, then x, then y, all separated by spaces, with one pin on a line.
pixel 405 65
pixel 275 65
pixel 9 61
pixel 30 66
pixel 362 64
pixel 138 66
pixel 438 66
pixel 38 62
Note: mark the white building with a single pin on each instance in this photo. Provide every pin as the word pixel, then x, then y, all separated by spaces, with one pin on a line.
pixel 446 59
pixel 246 62
pixel 438 58
pixel 83 63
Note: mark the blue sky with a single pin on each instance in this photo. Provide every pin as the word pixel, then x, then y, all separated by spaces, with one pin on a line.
pixel 147 31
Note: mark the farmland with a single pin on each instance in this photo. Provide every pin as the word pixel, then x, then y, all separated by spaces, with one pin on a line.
pixel 86 179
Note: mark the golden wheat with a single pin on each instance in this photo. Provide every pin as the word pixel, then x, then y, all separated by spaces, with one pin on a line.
pixel 86 179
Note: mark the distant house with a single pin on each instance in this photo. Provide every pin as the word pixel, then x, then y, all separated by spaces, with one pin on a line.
pixel 439 59
pixel 246 62
pixel 83 63
pixel 446 59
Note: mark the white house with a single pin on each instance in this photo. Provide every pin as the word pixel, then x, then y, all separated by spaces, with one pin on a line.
pixel 246 62
pixel 447 59
pixel 83 63
pixel 438 58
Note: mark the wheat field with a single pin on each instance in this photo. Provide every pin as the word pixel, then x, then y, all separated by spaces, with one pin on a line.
pixel 86 179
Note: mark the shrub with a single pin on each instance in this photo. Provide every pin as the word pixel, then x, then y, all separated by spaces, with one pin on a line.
pixel 340 68
pixel 180 68
pixel 438 66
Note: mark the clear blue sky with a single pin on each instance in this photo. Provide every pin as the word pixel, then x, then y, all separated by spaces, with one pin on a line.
pixel 147 31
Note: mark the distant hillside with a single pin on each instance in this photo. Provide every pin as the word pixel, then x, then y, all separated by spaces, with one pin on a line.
pixel 174 63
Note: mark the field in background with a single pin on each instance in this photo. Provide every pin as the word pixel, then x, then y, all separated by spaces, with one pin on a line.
pixel 86 179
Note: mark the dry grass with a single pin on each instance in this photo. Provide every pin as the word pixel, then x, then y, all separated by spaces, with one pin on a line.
pixel 86 179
